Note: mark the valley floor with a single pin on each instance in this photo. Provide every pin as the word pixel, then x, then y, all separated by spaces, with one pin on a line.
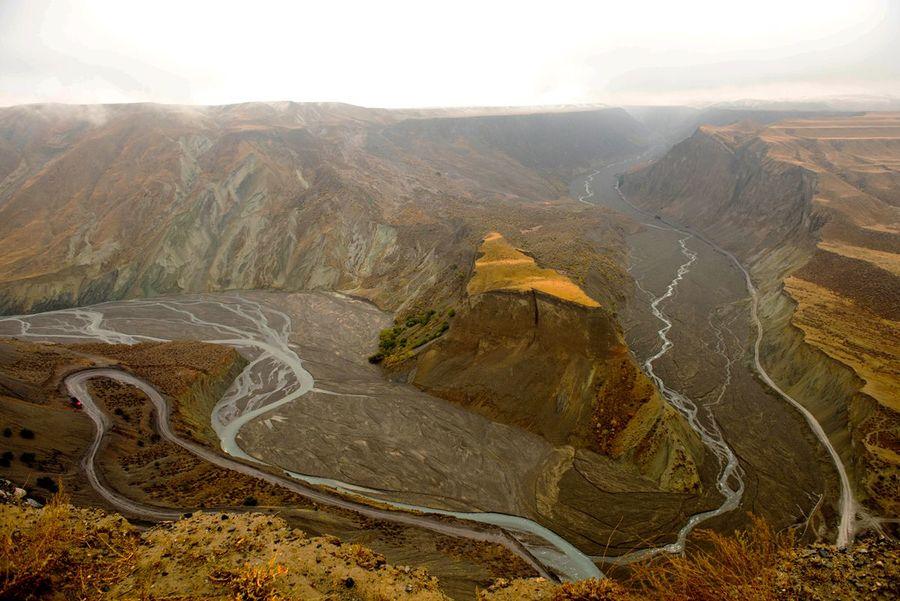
pixel 355 432
pixel 787 474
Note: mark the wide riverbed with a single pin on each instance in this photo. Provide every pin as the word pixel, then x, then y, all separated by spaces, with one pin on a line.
pixel 782 470
pixel 350 430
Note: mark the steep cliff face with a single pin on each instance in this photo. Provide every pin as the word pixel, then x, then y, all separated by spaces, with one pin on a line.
pixel 723 180
pixel 811 206
pixel 529 348
pixel 110 202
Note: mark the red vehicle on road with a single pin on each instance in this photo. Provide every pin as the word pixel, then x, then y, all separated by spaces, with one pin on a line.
pixel 75 403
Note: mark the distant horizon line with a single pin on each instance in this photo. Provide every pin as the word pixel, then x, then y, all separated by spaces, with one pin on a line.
pixel 745 103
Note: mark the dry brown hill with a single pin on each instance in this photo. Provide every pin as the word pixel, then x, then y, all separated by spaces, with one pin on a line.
pixel 62 552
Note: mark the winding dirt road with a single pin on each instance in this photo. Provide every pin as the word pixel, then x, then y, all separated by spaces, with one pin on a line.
pixel 76 384
pixel 847 504
pixel 274 377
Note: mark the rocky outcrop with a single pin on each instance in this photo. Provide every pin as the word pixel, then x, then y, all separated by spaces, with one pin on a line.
pixel 558 367
pixel 10 493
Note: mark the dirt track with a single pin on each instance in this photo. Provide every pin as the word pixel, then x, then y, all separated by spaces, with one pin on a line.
pixel 77 387
pixel 786 469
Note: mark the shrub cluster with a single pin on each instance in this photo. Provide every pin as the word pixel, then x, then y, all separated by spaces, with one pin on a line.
pixel 411 333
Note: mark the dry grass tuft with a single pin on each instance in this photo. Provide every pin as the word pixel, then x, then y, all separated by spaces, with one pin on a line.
pixel 365 557
pixel 28 559
pixel 48 555
pixel 252 583
pixel 593 590
pixel 739 567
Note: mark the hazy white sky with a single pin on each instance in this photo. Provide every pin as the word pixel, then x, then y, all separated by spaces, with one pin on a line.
pixel 392 54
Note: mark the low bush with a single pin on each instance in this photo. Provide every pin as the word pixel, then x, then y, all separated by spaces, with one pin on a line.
pixel 725 567
pixel 252 583
pixel 47 483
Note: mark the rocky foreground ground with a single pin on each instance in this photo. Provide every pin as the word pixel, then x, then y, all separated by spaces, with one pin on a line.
pixel 62 552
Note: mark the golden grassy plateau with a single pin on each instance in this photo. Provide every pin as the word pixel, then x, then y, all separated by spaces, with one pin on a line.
pixel 503 267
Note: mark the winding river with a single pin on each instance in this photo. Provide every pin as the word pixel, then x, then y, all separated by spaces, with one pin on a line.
pixel 275 376
pixel 729 481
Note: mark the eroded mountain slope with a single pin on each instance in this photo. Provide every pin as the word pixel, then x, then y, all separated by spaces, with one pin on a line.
pixel 110 202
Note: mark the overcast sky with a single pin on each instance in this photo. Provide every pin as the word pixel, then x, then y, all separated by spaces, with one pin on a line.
pixel 451 53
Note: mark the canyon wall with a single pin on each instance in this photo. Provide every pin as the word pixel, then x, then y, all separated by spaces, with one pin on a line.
pixel 121 201
pixel 812 207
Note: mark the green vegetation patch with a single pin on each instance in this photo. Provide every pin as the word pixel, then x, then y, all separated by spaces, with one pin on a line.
pixel 400 341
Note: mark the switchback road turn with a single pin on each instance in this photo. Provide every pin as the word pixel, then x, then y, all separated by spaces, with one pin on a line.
pixel 76 384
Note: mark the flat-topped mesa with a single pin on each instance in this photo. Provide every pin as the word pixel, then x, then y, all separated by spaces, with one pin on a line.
pixel 529 347
pixel 501 266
